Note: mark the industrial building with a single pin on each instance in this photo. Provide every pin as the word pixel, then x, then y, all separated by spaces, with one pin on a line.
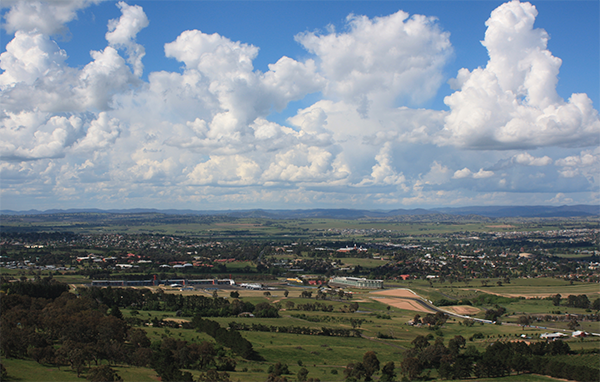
pixel 356 282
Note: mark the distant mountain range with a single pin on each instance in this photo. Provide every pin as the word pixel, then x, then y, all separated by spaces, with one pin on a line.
pixel 485 211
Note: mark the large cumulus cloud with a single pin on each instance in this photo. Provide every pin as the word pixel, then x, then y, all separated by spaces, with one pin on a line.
pixel 512 103
pixel 104 133
pixel 381 59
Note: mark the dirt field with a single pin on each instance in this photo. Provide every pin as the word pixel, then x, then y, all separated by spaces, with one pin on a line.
pixel 462 309
pixel 179 320
pixel 396 293
pixel 401 303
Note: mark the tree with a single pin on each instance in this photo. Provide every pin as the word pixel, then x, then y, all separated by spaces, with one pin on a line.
pixel 234 294
pixel 556 299
pixel 371 364
pixel 356 322
pixel 103 374
pixel 3 373
pixel 388 372
pixel 278 369
pixel 580 301
pixel 267 294
pixel 213 375
pixel 264 309
pixel 411 367
pixel 306 294
pixel 596 304
pixel 573 324
pixel 495 361
pixel 165 366
pixel 354 371
pixel 420 342
pixel 286 293
pixel 276 378
pixel 455 344
pixel 138 338
pixel 523 321
pixel 116 312
pixel 302 374
pixel 463 367
pixel 520 364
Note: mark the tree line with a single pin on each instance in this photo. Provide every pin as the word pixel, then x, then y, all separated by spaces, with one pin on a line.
pixel 187 306
pixel 334 332
pixel 457 361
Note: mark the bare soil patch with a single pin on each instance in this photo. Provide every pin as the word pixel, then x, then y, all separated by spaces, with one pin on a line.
pixel 179 320
pixel 462 309
pixel 396 293
pixel 404 304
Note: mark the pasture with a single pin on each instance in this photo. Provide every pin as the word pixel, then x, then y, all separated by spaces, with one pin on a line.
pixel 384 331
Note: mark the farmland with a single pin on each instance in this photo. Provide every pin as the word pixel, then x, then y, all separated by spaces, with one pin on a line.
pixel 442 280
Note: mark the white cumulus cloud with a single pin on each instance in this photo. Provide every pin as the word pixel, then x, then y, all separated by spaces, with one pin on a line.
pixel 378 60
pixel 529 160
pixel 211 131
pixel 512 103
pixel 122 32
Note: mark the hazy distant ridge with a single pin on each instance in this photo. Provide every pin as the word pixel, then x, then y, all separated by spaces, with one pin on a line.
pixel 486 211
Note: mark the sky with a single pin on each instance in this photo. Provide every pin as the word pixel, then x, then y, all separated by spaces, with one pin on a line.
pixel 216 105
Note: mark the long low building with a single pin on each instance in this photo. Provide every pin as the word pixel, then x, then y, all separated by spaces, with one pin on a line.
pixel 356 282
pixel 156 282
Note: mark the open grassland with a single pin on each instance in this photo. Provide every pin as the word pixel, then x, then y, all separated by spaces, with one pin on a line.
pixel 321 355
pixel 27 370
pixel 518 287
pixel 367 229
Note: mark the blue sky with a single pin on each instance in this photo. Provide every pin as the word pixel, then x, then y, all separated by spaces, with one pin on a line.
pixel 298 104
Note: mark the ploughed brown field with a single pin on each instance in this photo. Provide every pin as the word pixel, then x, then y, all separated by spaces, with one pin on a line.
pixel 401 303
pixel 398 299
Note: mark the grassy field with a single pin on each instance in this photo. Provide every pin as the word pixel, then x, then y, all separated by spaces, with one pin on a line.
pixel 285 229
pixel 24 371
pixel 324 355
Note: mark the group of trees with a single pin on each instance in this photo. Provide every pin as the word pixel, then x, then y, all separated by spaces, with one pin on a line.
pixel 580 301
pixel 334 332
pixel 228 338
pixel 357 371
pixel 188 306
pixel 79 332
pixel 456 361
pixel 432 320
